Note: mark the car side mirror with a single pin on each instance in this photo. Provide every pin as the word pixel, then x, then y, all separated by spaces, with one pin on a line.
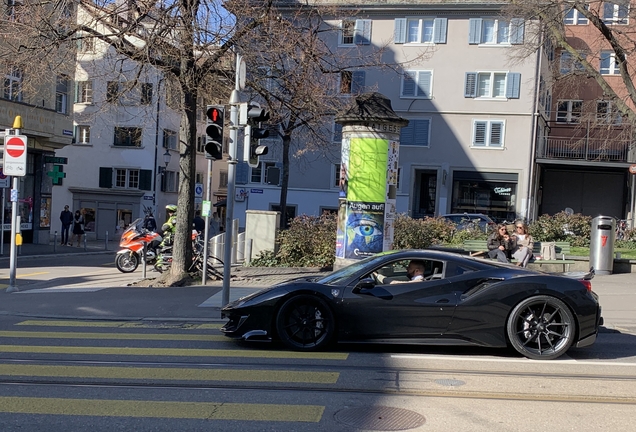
pixel 366 283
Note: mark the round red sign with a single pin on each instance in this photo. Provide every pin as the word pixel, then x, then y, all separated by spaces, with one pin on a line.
pixel 632 169
pixel 14 147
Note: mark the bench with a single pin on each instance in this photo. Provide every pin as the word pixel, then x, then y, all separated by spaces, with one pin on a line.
pixel 479 248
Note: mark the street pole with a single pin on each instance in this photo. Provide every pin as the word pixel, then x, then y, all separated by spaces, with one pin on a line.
pixel 14 213
pixel 206 231
pixel 231 175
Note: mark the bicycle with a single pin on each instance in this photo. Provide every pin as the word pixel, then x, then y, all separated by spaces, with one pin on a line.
pixel 622 232
pixel 164 261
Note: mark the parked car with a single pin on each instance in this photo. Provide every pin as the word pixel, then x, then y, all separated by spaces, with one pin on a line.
pixel 465 221
pixel 460 300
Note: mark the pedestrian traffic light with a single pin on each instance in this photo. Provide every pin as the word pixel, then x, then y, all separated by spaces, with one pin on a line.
pixel 214 132
pixel 254 132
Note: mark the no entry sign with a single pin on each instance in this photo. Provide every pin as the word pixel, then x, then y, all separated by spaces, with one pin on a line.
pixel 15 155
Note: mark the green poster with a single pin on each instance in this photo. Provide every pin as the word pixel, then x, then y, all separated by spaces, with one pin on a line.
pixel 368 158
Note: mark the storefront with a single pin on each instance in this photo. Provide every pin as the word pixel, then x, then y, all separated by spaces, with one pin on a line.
pixel 493 194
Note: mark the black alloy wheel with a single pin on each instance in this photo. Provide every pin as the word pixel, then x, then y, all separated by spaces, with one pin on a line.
pixel 305 323
pixel 127 262
pixel 541 328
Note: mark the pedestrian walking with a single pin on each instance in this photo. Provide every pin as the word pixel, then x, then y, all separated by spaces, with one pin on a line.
pixel 198 222
pixel 78 228
pixel 66 217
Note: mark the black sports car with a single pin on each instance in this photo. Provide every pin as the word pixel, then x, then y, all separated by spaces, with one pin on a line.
pixel 461 300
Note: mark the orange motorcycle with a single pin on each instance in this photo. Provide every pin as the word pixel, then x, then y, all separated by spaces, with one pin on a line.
pixel 132 243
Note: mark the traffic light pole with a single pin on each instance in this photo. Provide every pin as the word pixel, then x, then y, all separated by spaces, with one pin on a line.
pixel 231 176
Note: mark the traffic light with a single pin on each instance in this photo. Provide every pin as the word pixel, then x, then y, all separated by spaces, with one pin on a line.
pixel 214 132
pixel 252 148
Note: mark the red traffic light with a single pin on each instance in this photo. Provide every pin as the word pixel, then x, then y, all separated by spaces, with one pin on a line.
pixel 215 114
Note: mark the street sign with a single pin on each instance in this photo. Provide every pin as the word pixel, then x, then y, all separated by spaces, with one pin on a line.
pixel 5 181
pixel 15 155
pixel 55 160
pixel 256 191
pixel 198 190
pixel 632 169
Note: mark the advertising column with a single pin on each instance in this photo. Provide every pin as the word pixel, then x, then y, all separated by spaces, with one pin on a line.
pixel 368 178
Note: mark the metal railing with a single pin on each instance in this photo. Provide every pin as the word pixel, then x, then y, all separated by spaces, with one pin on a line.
pixel 587 149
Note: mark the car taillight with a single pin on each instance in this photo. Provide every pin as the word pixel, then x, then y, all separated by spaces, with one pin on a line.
pixel 587 283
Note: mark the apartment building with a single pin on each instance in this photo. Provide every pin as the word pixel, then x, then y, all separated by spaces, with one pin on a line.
pixel 470 142
pixel 43 103
pixel 124 159
pixel 583 162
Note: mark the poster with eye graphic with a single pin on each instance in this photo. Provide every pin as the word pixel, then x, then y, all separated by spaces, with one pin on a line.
pixel 367 168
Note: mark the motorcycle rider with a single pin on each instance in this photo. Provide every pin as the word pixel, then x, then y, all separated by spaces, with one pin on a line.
pixel 168 228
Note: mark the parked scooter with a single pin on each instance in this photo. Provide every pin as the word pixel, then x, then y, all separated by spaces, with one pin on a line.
pixel 132 243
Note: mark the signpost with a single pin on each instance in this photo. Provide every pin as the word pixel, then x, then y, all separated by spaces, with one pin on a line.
pixel 15 151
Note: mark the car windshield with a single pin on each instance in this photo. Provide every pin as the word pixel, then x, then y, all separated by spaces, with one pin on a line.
pixel 346 272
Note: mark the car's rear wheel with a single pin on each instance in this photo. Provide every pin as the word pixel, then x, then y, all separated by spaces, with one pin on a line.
pixel 305 323
pixel 127 262
pixel 541 328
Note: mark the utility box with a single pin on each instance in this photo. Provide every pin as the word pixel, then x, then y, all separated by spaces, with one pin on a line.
pixel 602 244
pixel 260 228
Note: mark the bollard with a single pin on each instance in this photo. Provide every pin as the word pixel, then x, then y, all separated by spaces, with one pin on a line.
pixel 106 241
pixel 84 242
pixel 143 260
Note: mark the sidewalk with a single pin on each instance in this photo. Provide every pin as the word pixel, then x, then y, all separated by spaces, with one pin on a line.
pixel 29 250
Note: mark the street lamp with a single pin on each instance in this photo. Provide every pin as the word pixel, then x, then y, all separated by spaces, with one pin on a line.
pixel 166 160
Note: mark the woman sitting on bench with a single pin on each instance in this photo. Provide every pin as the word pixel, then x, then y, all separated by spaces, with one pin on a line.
pixel 523 251
pixel 500 244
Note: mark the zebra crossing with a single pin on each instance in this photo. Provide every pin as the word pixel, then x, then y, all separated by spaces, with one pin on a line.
pixel 53 353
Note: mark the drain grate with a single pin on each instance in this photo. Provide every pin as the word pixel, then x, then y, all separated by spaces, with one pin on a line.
pixel 449 382
pixel 380 418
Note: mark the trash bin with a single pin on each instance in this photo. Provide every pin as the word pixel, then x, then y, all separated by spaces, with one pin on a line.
pixel 602 244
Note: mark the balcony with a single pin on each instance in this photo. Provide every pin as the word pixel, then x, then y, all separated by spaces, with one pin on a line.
pixel 587 149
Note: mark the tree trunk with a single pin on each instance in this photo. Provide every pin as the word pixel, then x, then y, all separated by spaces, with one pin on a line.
pixel 284 184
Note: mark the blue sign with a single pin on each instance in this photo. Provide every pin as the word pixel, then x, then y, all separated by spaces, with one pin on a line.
pixel 256 190
pixel 67 132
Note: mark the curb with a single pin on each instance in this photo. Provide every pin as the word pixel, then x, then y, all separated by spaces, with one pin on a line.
pixel 67 254
pixel 122 318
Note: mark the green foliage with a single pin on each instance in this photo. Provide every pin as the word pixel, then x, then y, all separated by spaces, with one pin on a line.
pixel 625 244
pixel 574 228
pixel 409 233
pixel 309 241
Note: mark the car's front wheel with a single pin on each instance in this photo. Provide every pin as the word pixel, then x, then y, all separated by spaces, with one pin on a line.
pixel 305 323
pixel 541 328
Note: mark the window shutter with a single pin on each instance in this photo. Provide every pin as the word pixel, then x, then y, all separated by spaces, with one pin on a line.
pixel 145 179
pixel 496 137
pixel 439 29
pixel 480 134
pixel 421 131
pixel 274 174
pixel 362 32
pixel 75 135
pixel 105 177
pixel 357 81
pixel 470 88
pixel 513 85
pixel 406 134
pixel 424 84
pixel 408 84
pixel 399 35
pixel 516 31
pixel 242 173
pixel 474 31
pixel 76 92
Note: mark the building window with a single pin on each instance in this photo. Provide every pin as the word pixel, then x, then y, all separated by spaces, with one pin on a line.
pixel 355 32
pixel 569 111
pixel 609 65
pixel 201 140
pixel 417 84
pixel 127 137
pixel 170 139
pixel 146 93
pixel 337 132
pixel 13 84
pixel 170 181
pixel 575 17
pixel 85 43
pixel 198 177
pixel 352 82
pixel 14 9
pixel 259 174
pixel 416 133
pixel 615 13
pixel 483 192
pixel 488 133
pixel 569 64
pixel 420 30
pixel 61 94
pixel 607 113
pixel 83 134
pixel 127 178
pixel 112 91
pixel 417 30
pixel 223 179
pixel 493 31
pixel 84 93
pixel 489 85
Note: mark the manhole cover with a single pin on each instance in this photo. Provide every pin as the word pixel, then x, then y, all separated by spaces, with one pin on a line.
pixel 380 418
pixel 449 382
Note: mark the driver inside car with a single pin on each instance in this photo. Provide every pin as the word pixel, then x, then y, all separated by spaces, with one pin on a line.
pixel 414 273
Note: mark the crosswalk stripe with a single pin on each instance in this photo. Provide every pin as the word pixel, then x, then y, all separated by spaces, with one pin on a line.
pixel 162 409
pixel 175 352
pixel 116 336
pixel 120 324
pixel 179 374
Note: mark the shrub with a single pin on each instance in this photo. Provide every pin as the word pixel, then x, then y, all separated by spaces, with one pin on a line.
pixel 409 233
pixel 574 228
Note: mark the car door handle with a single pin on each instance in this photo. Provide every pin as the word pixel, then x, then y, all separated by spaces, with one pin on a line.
pixel 444 300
